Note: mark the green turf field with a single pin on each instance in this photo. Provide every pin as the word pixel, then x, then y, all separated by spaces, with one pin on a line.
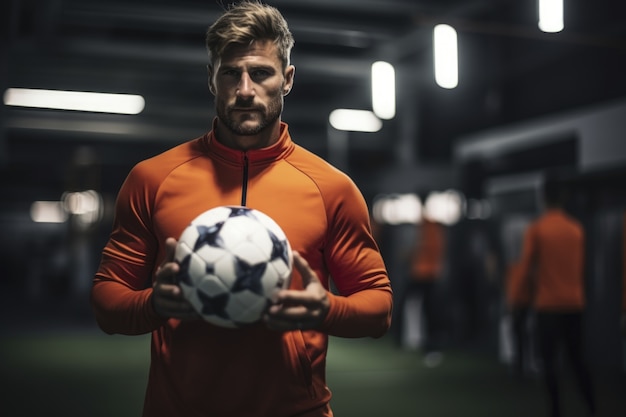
pixel 86 373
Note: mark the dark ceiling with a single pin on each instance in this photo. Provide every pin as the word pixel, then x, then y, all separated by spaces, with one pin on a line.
pixel 509 71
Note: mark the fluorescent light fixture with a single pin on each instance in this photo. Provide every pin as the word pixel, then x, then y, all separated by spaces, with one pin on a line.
pixel 85 206
pixel 445 207
pixel 74 100
pixel 384 90
pixel 446 56
pixel 355 120
pixel 397 209
pixel 551 15
pixel 48 212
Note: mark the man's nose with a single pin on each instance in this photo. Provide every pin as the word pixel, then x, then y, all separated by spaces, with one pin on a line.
pixel 246 86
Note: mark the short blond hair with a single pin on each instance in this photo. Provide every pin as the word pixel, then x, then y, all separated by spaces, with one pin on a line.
pixel 245 22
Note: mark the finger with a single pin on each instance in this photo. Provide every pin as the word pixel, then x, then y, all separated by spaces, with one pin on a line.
pixel 290 299
pixel 305 270
pixel 170 249
pixel 166 272
pixel 173 308
pixel 311 313
pixel 169 302
pixel 169 291
pixel 289 312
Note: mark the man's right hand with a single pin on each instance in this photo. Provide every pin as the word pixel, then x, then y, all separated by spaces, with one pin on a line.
pixel 167 296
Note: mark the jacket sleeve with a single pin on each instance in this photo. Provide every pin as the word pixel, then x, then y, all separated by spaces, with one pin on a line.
pixel 122 286
pixel 363 303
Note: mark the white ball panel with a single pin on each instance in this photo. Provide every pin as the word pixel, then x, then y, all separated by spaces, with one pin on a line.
pixel 196 268
pixel 250 252
pixel 281 268
pixel 246 307
pixel 211 254
pixel 211 285
pixel 182 250
pixel 224 268
pixel 238 230
pixel 189 236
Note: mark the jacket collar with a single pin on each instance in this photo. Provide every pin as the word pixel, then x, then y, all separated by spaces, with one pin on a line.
pixel 279 150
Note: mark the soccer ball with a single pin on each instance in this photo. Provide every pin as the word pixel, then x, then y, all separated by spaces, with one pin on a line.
pixel 233 260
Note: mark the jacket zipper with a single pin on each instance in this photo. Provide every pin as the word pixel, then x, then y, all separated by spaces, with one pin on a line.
pixel 244 184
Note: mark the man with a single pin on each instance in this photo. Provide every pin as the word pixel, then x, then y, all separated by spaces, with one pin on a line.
pixel 426 267
pixel 518 299
pixel 276 367
pixel 552 266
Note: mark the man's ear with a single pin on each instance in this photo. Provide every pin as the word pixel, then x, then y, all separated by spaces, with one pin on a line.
pixel 210 79
pixel 290 72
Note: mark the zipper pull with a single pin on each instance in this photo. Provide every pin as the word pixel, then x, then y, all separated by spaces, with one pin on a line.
pixel 244 182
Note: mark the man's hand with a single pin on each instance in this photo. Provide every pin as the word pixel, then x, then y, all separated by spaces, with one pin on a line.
pixel 300 310
pixel 167 297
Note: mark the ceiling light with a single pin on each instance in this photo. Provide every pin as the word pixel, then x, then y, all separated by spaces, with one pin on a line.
pixel 446 56
pixel 48 212
pixel 444 207
pixel 551 15
pixel 74 100
pixel 355 120
pixel 383 90
pixel 397 209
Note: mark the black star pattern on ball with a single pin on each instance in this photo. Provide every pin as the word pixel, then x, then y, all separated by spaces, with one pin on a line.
pixel 279 248
pixel 209 235
pixel 240 211
pixel 183 272
pixel 249 277
pixel 214 306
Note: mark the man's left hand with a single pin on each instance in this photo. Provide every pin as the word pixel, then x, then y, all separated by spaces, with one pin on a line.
pixel 300 309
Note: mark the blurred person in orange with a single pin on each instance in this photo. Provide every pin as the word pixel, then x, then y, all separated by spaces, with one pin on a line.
pixel 426 267
pixel 552 264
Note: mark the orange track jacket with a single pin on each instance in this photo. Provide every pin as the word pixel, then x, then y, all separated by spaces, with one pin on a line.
pixel 551 265
pixel 198 369
pixel 427 258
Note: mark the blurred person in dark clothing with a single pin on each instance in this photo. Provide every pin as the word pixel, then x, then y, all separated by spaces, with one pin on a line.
pixel 518 298
pixel 552 264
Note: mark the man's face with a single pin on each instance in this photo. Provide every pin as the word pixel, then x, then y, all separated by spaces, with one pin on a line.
pixel 249 84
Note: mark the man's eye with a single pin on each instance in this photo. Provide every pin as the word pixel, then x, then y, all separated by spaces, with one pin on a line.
pixel 260 74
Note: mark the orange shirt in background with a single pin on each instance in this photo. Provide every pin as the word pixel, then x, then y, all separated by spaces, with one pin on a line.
pixel 427 259
pixel 552 264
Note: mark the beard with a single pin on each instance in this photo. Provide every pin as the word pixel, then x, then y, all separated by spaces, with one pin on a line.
pixel 265 116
